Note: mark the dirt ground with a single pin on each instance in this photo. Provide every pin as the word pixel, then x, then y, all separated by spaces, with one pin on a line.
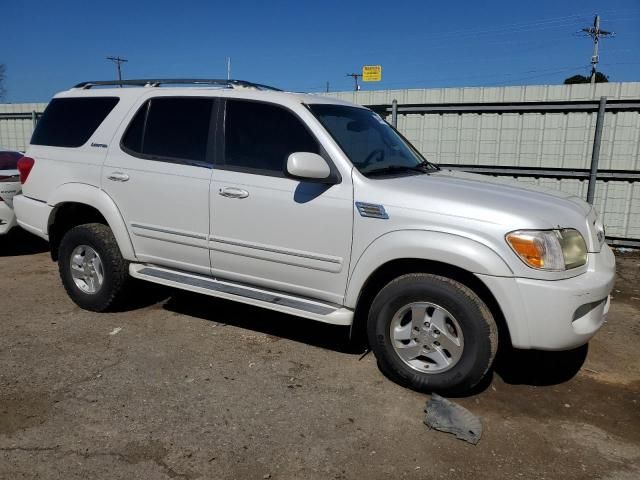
pixel 192 387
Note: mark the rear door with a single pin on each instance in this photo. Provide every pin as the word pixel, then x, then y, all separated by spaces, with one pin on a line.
pixel 268 229
pixel 159 178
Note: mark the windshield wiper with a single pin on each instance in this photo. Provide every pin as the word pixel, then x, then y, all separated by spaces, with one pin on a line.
pixel 390 169
pixel 425 164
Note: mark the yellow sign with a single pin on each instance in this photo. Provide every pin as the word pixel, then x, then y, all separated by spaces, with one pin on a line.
pixel 372 73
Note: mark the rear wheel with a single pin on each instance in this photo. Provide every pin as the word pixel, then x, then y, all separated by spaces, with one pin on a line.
pixel 432 334
pixel 91 266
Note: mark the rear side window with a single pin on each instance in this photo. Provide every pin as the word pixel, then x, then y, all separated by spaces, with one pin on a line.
pixel 69 122
pixel 9 159
pixel 259 137
pixel 171 129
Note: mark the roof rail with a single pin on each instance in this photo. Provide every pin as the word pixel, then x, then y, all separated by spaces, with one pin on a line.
pixel 157 82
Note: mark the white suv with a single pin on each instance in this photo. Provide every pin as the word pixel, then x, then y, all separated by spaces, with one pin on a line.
pixel 312 207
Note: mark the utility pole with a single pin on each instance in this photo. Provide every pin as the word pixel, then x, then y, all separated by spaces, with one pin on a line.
pixel 228 68
pixel 355 78
pixel 118 61
pixel 595 33
pixel 327 87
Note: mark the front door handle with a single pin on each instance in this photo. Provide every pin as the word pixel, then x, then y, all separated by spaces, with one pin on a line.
pixel 232 192
pixel 118 177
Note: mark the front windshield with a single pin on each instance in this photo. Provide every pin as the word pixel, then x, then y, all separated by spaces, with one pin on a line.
pixel 372 145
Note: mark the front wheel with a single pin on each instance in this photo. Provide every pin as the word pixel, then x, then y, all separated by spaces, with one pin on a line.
pixel 92 269
pixel 432 334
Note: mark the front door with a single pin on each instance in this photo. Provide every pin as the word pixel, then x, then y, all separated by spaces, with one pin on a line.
pixel 270 230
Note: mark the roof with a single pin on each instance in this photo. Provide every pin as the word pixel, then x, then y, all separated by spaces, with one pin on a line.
pixel 208 87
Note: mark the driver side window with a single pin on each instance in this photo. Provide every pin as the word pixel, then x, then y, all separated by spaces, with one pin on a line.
pixel 259 137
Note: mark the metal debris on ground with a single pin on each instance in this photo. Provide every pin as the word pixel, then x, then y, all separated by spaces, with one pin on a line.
pixel 447 416
pixel 366 352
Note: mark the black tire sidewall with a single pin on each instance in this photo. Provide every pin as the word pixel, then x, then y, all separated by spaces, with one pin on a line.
pixel 100 238
pixel 478 350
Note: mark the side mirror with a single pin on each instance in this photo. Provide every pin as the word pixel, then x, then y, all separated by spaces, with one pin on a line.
pixel 310 167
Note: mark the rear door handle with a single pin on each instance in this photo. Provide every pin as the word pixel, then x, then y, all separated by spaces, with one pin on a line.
pixel 232 192
pixel 118 177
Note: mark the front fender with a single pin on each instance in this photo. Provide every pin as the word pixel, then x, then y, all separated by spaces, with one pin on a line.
pixel 448 248
pixel 98 199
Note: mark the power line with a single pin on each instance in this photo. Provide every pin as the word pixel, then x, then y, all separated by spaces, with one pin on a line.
pixel 118 61
pixel 420 83
pixel 520 79
pixel 595 33
pixel 444 39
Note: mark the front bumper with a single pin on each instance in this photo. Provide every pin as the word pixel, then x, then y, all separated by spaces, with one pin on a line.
pixel 7 218
pixel 558 314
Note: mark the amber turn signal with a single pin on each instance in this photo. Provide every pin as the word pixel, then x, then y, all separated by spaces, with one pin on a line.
pixel 528 248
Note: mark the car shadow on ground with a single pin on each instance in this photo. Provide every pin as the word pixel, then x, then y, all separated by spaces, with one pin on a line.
pixel 20 242
pixel 514 367
pixel 539 368
pixel 535 368
pixel 269 322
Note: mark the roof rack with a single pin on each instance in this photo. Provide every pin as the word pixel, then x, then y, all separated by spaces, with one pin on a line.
pixel 157 82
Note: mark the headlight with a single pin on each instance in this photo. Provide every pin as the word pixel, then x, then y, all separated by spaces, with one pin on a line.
pixel 549 249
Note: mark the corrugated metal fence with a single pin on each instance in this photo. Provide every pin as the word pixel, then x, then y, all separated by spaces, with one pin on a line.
pixel 470 128
pixel 16 123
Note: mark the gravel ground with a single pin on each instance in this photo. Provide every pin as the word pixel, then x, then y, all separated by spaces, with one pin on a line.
pixel 192 387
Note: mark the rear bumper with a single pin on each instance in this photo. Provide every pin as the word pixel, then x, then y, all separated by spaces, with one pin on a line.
pixel 560 314
pixel 32 215
pixel 7 218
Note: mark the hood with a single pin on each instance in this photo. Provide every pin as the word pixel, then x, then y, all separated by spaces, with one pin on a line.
pixel 482 198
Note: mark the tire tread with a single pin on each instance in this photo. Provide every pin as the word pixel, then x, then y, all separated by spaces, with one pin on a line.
pixel 416 380
pixel 116 268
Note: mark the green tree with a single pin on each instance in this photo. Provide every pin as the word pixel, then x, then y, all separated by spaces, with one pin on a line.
pixel 600 78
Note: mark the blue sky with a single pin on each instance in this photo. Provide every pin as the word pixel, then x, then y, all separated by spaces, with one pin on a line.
pixel 299 45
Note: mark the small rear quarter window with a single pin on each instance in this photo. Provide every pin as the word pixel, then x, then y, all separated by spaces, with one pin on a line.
pixel 69 122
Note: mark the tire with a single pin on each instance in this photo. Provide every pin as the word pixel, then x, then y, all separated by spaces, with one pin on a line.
pixel 111 289
pixel 469 344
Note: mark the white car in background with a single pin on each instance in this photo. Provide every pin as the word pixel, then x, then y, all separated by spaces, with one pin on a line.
pixel 9 187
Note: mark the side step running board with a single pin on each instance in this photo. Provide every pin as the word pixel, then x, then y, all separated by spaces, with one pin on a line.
pixel 291 304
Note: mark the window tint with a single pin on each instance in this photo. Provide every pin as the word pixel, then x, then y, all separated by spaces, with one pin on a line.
pixel 176 129
pixel 371 144
pixel 260 137
pixel 132 139
pixel 9 159
pixel 69 122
